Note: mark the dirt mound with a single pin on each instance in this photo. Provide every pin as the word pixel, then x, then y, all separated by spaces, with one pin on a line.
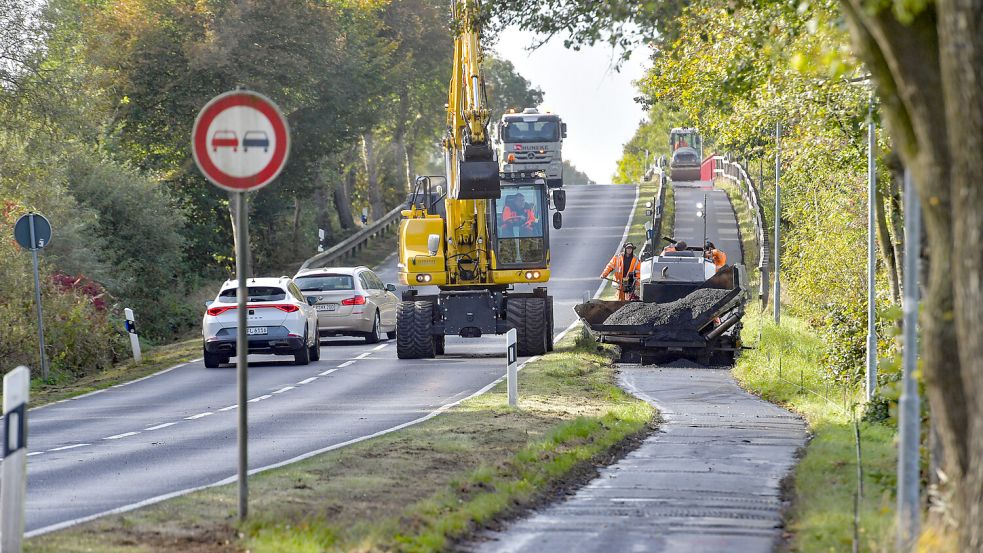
pixel 680 314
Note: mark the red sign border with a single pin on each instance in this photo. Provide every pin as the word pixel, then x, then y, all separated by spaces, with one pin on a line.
pixel 199 140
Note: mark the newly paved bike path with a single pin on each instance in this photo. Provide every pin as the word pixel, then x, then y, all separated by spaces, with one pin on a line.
pixel 709 480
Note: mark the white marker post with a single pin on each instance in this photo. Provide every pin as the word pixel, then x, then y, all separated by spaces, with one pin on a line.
pixel 131 328
pixel 512 372
pixel 13 493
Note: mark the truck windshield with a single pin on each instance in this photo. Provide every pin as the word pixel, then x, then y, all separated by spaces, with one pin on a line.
pixel 519 225
pixel 530 131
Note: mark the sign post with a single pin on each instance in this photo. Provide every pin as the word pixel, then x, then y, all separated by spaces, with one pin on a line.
pixel 131 329
pixel 33 232
pixel 512 372
pixel 13 493
pixel 240 142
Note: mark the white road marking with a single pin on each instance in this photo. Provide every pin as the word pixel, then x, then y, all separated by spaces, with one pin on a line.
pixel 363 355
pixel 380 346
pixel 346 364
pixel 327 372
pixel 64 447
pixel 198 416
pixel 35 453
pixel 284 389
pixel 260 398
pixel 230 407
pixel 123 435
pixel 308 380
pixel 159 426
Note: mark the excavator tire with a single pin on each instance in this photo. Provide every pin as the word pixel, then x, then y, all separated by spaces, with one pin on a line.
pixel 528 317
pixel 549 321
pixel 414 321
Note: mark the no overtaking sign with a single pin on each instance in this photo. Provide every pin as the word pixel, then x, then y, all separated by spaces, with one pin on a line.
pixel 240 141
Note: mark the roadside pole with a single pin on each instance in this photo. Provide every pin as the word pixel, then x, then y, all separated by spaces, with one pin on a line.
pixel 242 349
pixel 13 493
pixel 33 232
pixel 909 419
pixel 778 224
pixel 131 329
pixel 512 371
pixel 871 267
pixel 37 299
pixel 215 146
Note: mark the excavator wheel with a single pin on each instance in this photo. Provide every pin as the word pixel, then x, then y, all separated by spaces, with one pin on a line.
pixel 528 317
pixel 414 321
pixel 549 321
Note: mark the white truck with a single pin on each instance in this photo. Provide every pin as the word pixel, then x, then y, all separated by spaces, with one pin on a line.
pixel 530 142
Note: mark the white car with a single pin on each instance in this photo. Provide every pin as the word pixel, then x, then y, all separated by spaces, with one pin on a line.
pixel 350 301
pixel 279 321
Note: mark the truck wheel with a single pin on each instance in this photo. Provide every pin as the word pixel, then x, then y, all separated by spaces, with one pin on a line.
pixel 528 317
pixel 414 321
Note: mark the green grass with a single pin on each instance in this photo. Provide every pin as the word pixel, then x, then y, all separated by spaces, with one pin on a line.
pixel 420 489
pixel 821 518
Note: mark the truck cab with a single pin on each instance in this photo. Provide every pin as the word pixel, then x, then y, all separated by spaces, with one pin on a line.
pixel 530 142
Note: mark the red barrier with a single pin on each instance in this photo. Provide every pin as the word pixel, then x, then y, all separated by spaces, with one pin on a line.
pixel 707 168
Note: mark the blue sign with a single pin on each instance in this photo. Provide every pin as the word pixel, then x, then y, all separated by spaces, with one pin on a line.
pixel 41 231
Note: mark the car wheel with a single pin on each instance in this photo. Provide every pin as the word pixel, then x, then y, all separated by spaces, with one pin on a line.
pixel 376 334
pixel 213 360
pixel 391 335
pixel 302 355
pixel 315 354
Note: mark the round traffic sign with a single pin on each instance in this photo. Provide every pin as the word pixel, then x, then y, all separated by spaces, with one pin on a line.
pixel 42 231
pixel 240 140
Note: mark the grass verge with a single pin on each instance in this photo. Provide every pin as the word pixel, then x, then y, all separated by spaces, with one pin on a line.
pixel 420 489
pixel 785 368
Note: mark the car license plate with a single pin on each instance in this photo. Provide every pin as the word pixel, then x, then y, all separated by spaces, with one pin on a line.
pixel 326 307
pixel 255 330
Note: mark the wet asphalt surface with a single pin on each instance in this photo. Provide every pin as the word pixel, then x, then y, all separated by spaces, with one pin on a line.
pixel 176 431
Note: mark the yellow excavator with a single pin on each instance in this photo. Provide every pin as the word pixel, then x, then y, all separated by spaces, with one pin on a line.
pixel 479 235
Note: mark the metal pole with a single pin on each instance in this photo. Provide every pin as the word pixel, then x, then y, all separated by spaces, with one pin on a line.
pixel 242 349
pixel 909 419
pixel 871 268
pixel 37 300
pixel 778 224
pixel 706 207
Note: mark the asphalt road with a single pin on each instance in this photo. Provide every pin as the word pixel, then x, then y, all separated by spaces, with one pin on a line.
pixel 175 431
pixel 721 225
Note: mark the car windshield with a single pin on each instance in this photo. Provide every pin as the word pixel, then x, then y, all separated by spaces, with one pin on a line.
pixel 256 293
pixel 325 283
pixel 530 131
pixel 519 225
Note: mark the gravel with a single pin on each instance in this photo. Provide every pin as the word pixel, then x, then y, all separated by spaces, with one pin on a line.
pixel 678 315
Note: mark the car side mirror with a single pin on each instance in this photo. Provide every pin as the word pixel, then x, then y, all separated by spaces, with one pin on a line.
pixel 560 200
pixel 433 244
pixel 557 220
pixel 390 288
pixel 209 303
pixel 563 128
pixel 311 300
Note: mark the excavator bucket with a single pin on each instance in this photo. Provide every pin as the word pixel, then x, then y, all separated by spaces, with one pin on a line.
pixel 478 180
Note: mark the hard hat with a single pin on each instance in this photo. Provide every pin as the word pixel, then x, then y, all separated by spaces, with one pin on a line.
pixel 710 245
pixel 628 245
pixel 680 245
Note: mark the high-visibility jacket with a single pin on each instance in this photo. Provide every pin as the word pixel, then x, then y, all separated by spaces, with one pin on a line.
pixel 617 266
pixel 513 216
pixel 718 257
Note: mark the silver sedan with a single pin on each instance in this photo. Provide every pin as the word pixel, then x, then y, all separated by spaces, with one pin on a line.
pixel 350 301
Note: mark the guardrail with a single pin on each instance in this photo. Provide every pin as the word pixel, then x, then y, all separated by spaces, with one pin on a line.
pixel 354 243
pixel 735 172
pixel 653 228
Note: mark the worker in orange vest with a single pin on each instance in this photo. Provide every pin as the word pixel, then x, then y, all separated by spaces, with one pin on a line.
pixel 628 279
pixel 718 257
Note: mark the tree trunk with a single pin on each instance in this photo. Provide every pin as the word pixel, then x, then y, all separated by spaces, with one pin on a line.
pixel 321 217
pixel 400 152
pixel 343 197
pixel 905 62
pixel 887 246
pixel 295 232
pixel 897 219
pixel 376 207
pixel 960 30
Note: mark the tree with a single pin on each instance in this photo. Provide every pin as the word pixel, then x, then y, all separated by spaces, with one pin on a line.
pixel 507 89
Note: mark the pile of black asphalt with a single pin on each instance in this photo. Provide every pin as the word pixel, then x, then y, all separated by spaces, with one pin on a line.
pixel 676 319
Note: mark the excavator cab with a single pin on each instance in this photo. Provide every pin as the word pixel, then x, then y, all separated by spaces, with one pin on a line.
pixel 521 232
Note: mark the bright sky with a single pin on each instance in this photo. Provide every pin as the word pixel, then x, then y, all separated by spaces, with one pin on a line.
pixel 596 102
